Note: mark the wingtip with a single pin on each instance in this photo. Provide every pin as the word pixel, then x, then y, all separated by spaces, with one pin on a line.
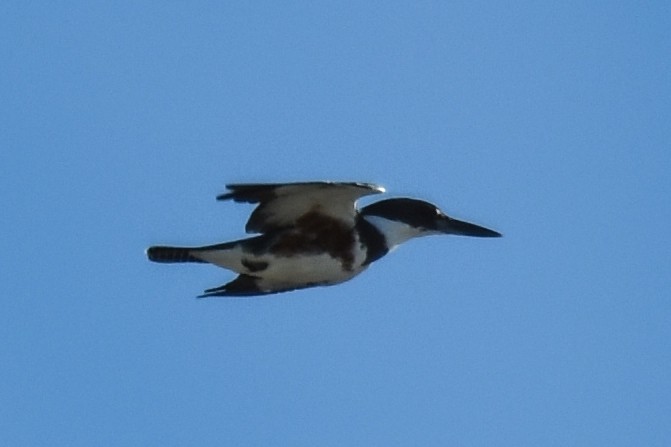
pixel 372 187
pixel 233 188
pixel 378 188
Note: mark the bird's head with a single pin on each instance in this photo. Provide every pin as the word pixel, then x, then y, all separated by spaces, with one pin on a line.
pixel 401 219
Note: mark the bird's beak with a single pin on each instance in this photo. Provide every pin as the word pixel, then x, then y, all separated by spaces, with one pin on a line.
pixel 454 226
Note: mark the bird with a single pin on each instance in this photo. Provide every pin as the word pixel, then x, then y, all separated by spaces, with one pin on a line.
pixel 312 234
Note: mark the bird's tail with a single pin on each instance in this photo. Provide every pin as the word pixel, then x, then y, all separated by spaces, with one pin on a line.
pixel 165 254
pixel 172 254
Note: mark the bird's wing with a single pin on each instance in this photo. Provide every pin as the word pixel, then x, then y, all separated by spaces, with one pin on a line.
pixel 246 285
pixel 282 204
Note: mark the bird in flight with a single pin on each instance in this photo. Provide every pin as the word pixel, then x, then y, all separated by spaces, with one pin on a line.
pixel 312 234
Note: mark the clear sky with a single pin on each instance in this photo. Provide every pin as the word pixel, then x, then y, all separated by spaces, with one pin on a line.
pixel 547 121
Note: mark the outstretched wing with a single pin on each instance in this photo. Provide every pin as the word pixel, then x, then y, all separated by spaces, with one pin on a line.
pixel 282 204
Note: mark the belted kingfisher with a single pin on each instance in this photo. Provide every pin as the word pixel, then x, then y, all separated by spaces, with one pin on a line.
pixel 311 234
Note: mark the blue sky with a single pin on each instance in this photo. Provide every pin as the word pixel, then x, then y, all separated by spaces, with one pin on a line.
pixel 120 122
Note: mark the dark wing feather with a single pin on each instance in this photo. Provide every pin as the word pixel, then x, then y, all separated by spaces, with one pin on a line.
pixel 246 286
pixel 282 204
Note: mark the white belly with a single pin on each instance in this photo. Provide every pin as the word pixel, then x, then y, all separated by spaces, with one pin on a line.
pixel 298 270
pixel 315 269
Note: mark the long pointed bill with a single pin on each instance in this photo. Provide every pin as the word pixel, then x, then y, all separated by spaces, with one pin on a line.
pixel 454 226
